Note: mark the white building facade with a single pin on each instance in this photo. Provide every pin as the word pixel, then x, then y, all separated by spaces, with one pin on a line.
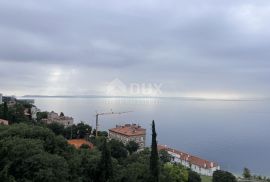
pixel 196 164
pixel 34 111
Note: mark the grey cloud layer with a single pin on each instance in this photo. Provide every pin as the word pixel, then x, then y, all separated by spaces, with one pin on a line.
pixel 192 41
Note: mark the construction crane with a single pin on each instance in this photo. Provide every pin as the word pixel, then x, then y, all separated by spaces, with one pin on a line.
pixel 107 113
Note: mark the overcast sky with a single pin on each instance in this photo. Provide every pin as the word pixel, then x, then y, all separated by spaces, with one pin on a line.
pixel 192 48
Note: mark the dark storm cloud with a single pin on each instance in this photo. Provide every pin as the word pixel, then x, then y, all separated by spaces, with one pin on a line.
pixel 192 44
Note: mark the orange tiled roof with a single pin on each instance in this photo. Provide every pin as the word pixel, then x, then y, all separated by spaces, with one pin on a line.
pixel 190 158
pixel 129 130
pixel 77 143
pixel 4 122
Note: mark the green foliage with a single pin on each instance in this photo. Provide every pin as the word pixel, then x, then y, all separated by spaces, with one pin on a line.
pixel 98 142
pixel 45 167
pixel 89 162
pixel 105 165
pixel 34 153
pixel 15 113
pixel 84 146
pixel 118 149
pixel 28 154
pixel 246 173
pixel 33 132
pixel 5 111
pixel 154 158
pixel 206 178
pixel 80 130
pixel 164 156
pixel 29 113
pixel 135 168
pixel 42 115
pixel 223 176
pixel 132 146
pixel 41 153
pixel 83 130
pixel 57 128
pixel 134 172
pixel 100 133
pixel 193 176
pixel 174 173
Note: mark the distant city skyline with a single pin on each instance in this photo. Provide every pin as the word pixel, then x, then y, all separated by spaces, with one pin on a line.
pixel 208 49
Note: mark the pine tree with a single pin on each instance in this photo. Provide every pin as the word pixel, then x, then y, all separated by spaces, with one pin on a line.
pixel 105 166
pixel 154 159
pixel 246 173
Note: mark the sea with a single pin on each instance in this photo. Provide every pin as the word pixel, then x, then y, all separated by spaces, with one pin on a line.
pixel 233 133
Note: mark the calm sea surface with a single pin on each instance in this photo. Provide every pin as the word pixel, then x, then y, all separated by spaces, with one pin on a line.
pixel 233 133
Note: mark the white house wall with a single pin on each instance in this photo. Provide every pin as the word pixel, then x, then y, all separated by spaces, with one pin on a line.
pixel 198 169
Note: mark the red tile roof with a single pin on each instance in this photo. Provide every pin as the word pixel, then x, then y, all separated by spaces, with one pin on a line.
pixel 77 143
pixel 190 158
pixel 129 130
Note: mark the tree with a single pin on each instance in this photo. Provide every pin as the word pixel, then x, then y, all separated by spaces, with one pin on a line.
pixel 83 130
pixel 105 165
pixel 85 146
pixel 35 153
pixel 223 176
pixel 164 156
pixel 154 159
pixel 100 133
pixel 134 172
pixel 135 168
pixel 46 167
pixel 29 113
pixel 193 176
pixel 62 114
pixel 174 173
pixel 132 147
pixel 57 128
pixel 24 159
pixel 80 130
pixel 118 149
pixel 88 166
pixel 5 111
pixel 42 115
pixel 246 173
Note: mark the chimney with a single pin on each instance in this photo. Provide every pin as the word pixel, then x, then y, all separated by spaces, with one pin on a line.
pixel 212 164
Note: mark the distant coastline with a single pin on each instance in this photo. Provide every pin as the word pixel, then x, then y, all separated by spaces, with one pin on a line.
pixel 143 97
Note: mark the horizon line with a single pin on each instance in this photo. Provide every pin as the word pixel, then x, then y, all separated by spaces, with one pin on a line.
pixel 146 97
